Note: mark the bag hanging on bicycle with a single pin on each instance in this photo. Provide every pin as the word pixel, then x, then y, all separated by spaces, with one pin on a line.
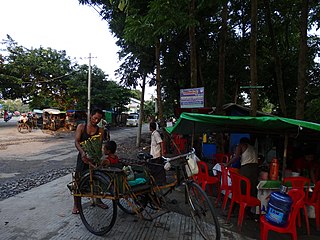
pixel 157 171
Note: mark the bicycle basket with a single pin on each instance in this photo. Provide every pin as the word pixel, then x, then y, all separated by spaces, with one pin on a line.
pixel 191 165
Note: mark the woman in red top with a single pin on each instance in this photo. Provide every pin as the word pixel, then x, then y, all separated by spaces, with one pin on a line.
pixel 109 150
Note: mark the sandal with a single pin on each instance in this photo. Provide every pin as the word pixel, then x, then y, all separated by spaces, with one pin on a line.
pixel 75 211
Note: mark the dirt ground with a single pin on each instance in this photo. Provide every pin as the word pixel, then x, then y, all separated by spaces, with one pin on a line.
pixel 39 151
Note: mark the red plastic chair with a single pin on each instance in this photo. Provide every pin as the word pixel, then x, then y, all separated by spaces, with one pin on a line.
pixel 220 158
pixel 224 186
pixel 315 202
pixel 244 200
pixel 302 183
pixel 297 196
pixel 205 179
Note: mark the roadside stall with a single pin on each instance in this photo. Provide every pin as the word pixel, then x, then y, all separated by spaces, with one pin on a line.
pixel 196 124
pixel 282 128
pixel 53 119
pixel 74 118
pixel 37 117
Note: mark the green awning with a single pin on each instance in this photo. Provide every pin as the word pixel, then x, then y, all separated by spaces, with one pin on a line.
pixel 195 123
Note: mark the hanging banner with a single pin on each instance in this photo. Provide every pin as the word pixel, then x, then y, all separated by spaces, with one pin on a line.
pixel 192 98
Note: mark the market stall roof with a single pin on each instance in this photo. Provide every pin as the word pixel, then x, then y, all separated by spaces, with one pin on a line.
pixel 195 123
pixel 52 111
pixel 38 111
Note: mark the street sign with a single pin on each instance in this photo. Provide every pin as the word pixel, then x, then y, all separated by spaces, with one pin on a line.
pixel 192 98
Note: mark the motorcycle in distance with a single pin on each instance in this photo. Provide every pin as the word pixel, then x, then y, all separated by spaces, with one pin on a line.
pixel 7 116
pixel 24 124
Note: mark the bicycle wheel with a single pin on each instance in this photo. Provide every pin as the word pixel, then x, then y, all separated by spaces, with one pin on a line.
pixel 202 212
pixel 97 214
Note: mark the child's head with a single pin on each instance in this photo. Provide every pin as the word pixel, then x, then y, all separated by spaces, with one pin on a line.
pixel 110 147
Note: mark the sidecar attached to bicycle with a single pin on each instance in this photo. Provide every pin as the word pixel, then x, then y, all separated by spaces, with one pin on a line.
pixel 98 193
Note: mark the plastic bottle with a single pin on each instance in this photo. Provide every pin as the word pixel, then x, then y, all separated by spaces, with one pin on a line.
pixel 279 207
pixel 274 169
pixel 205 138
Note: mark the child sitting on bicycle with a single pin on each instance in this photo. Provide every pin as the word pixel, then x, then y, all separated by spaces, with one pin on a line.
pixel 109 150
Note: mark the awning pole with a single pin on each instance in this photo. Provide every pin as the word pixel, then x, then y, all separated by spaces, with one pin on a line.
pixel 193 130
pixel 284 165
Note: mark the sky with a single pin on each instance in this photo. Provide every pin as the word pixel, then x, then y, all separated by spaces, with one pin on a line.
pixel 62 25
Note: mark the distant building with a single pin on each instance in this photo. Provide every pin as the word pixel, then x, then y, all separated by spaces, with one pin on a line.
pixel 133 106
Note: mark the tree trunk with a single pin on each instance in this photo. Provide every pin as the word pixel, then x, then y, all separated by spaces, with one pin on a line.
pixel 302 67
pixel 277 61
pixel 193 51
pixel 221 77
pixel 158 80
pixel 141 114
pixel 222 59
pixel 253 57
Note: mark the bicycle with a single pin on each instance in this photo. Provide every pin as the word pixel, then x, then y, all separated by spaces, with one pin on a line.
pixel 24 125
pixel 110 187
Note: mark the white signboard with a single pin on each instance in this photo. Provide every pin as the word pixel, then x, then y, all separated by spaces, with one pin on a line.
pixel 192 98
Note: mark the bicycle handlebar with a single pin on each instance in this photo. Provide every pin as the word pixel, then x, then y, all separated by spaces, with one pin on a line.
pixel 167 159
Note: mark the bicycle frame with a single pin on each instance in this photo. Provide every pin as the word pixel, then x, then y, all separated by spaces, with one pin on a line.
pixel 118 184
pixel 112 184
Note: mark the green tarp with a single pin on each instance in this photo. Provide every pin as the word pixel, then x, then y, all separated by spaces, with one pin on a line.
pixel 195 123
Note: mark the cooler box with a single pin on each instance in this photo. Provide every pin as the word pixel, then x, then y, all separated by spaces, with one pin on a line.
pixel 208 149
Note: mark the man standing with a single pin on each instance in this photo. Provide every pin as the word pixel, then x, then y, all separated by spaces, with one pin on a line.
pixel 83 132
pixel 156 149
pixel 249 163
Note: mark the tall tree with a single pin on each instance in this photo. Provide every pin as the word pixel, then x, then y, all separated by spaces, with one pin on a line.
pixel 302 66
pixel 276 59
pixel 193 47
pixel 253 57
pixel 222 58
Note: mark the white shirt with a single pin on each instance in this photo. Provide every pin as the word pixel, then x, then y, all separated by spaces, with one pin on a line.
pixel 21 118
pixel 249 156
pixel 156 141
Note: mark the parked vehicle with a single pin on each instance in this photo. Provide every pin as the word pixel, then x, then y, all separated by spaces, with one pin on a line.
pixel 53 119
pixel 74 118
pixel 133 120
pixel 37 120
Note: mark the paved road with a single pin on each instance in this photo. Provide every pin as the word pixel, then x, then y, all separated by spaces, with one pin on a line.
pixel 44 213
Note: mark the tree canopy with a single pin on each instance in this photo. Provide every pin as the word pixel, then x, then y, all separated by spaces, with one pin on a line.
pixel 44 77
pixel 194 27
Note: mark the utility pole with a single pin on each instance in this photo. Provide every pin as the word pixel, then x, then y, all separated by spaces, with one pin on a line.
pixel 89 89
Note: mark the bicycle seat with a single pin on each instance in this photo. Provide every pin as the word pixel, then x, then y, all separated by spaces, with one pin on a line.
pixel 144 156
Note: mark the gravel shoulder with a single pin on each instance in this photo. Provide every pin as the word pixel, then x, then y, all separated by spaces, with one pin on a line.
pixel 32 159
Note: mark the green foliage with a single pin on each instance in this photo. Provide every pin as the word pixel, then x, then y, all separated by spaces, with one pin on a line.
pixel 46 78
pixel 149 108
pixel 136 94
pixel 145 21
